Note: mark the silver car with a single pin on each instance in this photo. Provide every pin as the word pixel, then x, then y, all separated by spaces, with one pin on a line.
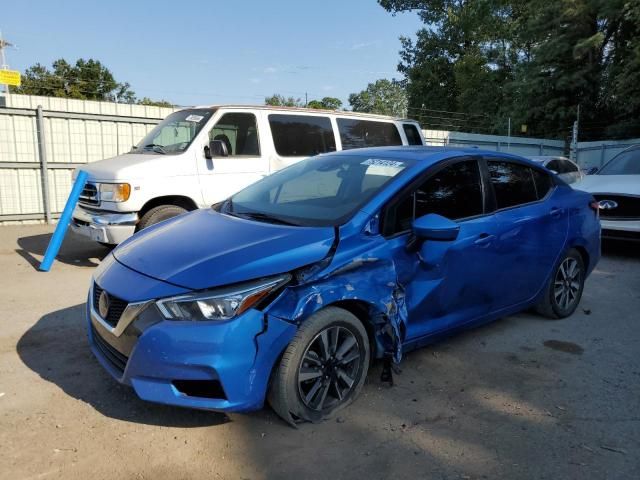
pixel 563 167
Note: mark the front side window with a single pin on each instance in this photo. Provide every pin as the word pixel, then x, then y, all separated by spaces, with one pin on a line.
pixel 454 192
pixel 413 137
pixel 301 135
pixel 317 191
pixel 356 133
pixel 513 183
pixel 625 163
pixel 175 133
pixel 239 132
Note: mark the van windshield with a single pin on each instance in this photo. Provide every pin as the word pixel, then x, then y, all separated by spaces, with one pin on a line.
pixel 625 163
pixel 319 191
pixel 175 133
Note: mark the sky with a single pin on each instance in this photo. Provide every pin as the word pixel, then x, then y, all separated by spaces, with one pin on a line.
pixel 212 52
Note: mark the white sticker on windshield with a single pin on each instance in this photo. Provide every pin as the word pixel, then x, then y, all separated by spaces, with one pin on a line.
pixel 194 118
pixel 379 162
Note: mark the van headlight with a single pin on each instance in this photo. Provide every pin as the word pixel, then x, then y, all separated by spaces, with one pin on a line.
pixel 114 192
pixel 221 303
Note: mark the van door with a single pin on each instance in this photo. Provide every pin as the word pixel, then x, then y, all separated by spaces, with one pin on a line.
pixel 221 177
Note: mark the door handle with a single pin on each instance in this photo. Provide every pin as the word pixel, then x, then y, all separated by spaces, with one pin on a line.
pixel 484 239
pixel 556 212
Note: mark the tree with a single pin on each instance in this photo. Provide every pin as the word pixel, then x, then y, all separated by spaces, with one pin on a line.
pixel 86 80
pixel 327 103
pixel 155 103
pixel 385 97
pixel 277 100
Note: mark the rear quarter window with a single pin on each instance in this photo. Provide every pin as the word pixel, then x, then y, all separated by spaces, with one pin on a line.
pixel 356 133
pixel 301 135
pixel 411 132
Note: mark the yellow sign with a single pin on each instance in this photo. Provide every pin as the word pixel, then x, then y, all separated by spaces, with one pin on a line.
pixel 10 77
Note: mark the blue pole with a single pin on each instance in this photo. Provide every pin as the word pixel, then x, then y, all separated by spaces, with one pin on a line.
pixel 58 235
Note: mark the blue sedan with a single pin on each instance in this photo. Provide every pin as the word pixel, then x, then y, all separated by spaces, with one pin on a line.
pixel 290 288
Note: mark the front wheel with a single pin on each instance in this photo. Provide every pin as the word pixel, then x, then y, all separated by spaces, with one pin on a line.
pixel 564 290
pixel 323 369
pixel 159 214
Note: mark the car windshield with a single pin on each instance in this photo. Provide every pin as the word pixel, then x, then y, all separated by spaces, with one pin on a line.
pixel 319 191
pixel 175 133
pixel 625 163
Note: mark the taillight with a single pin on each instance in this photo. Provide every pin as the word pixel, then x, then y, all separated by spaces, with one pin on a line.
pixel 595 206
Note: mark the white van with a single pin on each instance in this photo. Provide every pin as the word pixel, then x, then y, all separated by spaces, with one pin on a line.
pixel 200 156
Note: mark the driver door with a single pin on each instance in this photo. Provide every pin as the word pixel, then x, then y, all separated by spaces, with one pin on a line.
pixel 446 283
pixel 221 177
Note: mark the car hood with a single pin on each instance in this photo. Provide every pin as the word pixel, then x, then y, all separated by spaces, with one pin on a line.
pixel 204 249
pixel 622 184
pixel 130 166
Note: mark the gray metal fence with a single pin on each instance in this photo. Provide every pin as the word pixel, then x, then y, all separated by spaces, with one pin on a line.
pixel 42 140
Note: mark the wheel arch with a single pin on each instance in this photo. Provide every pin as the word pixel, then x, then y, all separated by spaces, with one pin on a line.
pixel 178 200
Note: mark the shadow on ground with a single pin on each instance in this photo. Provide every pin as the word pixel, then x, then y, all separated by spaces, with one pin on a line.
pixel 56 348
pixel 75 250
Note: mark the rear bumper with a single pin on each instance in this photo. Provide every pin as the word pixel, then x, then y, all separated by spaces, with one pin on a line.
pixel 235 356
pixel 105 227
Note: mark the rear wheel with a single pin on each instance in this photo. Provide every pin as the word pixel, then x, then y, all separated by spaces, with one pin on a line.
pixel 564 291
pixel 158 214
pixel 323 369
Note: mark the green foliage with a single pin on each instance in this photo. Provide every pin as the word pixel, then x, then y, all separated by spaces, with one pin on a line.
pixel 154 103
pixel 534 62
pixel 327 103
pixel 86 80
pixel 277 100
pixel 384 97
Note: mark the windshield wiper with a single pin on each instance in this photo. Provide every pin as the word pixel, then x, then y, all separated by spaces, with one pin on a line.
pixel 264 217
pixel 156 148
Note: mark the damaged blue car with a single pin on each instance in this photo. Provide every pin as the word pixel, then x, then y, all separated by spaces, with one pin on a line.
pixel 289 289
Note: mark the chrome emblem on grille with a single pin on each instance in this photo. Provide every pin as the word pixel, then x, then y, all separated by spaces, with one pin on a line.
pixel 103 304
pixel 607 204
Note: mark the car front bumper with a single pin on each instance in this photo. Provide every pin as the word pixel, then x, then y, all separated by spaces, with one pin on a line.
pixel 621 229
pixel 105 227
pixel 231 361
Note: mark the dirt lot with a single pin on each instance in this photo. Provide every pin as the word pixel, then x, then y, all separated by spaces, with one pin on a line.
pixel 522 398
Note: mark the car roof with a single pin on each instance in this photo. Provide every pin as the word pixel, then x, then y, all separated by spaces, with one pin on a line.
pixel 427 155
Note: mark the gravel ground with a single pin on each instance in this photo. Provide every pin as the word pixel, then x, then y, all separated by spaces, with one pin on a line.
pixel 521 398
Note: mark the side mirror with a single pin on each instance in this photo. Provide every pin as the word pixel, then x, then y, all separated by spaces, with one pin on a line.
pixel 592 170
pixel 216 148
pixel 554 172
pixel 435 227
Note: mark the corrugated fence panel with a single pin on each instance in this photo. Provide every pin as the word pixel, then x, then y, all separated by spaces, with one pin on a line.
pixel 7 139
pixel 59 188
pixel 9 192
pixel 30 191
pixel 25 139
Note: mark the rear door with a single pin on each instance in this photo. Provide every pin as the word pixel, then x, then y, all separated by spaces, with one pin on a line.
pixel 533 226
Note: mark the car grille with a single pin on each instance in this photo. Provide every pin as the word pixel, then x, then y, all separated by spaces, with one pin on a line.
pixel 115 358
pixel 628 207
pixel 116 306
pixel 89 195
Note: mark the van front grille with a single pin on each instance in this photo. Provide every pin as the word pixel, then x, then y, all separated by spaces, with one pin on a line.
pixel 89 195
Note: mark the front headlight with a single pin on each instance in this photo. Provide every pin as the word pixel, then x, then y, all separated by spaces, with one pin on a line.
pixel 115 192
pixel 220 304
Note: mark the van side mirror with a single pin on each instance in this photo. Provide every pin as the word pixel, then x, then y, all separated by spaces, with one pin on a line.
pixel 592 170
pixel 435 227
pixel 216 148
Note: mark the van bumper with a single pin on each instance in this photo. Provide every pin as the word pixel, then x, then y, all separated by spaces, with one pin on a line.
pixel 104 227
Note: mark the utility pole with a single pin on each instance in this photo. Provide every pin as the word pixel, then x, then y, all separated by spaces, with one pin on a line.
pixel 574 137
pixel 3 59
pixel 306 100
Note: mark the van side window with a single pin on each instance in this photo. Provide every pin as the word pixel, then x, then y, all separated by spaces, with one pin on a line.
pixel 356 133
pixel 301 135
pixel 413 137
pixel 239 132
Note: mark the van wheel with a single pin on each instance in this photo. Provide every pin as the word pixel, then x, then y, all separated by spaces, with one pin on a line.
pixel 158 214
pixel 564 290
pixel 323 369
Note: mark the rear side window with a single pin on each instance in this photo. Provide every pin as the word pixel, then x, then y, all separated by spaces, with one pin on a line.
pixel 513 183
pixel 356 133
pixel 301 135
pixel 411 132
pixel 543 182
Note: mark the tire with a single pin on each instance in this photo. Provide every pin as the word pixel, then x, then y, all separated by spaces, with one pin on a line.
pixel 158 214
pixel 110 246
pixel 337 383
pixel 564 290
